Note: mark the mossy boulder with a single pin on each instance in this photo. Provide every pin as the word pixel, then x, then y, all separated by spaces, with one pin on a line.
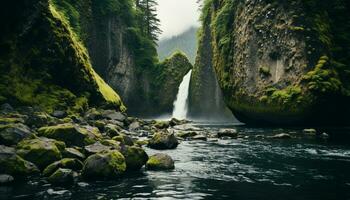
pixel 71 134
pixel 14 165
pixel 67 163
pixel 73 153
pixel 135 157
pixel 96 148
pixel 124 139
pixel 162 124
pixel 163 140
pixel 62 177
pixel 10 120
pixel 160 161
pixel 104 165
pixel 11 134
pixel 40 151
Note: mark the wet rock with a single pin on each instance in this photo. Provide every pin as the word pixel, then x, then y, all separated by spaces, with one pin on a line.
pixel 11 134
pixel 67 163
pixel 6 179
pixel 310 131
pixel 174 122
pixel 11 120
pixel 59 114
pixel 160 161
pixel 114 145
pixel 186 134
pixel 162 124
pixel 112 130
pixel 62 177
pixel 135 157
pixel 93 114
pixel 100 124
pixel 143 133
pixel 142 142
pixel 231 133
pixel 6 107
pixel 186 127
pixel 113 115
pixel 14 165
pixel 40 151
pixel 96 148
pixel 39 119
pixel 71 134
pixel 324 136
pixel 281 136
pixel 163 141
pixel 124 139
pixel 73 153
pixel 134 126
pixel 200 137
pixel 104 165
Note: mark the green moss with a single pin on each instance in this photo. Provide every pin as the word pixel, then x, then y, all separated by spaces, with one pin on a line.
pixel 67 163
pixel 296 28
pixel 264 71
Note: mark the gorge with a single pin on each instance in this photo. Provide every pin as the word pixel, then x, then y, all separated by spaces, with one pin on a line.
pixel 95 103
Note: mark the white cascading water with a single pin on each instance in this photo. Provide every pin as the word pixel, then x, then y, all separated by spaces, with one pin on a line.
pixel 180 104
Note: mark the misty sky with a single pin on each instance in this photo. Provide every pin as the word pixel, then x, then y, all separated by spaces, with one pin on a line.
pixel 177 16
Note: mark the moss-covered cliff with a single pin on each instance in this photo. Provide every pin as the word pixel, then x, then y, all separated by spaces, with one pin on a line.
pixel 282 62
pixel 43 62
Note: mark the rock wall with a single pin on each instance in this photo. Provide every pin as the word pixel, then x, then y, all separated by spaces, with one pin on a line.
pixel 281 62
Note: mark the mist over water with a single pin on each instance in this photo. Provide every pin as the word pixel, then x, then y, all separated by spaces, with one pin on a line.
pixel 181 104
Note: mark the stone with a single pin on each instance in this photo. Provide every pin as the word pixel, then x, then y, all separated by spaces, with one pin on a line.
pixel 324 136
pixel 231 133
pixel 73 153
pixel 200 137
pixel 160 161
pixel 310 131
pixel 104 165
pixel 162 140
pixel 11 120
pixel 59 114
pixel 281 136
pixel 112 130
pixel 67 163
pixel 40 151
pixel 96 148
pixel 162 124
pixel 6 107
pixel 186 127
pixel 186 134
pixel 124 139
pixel 135 157
pixel 11 134
pixel 6 179
pixel 62 177
pixel 14 165
pixel 113 115
pixel 93 114
pixel 39 119
pixel 71 134
pixel 114 145
pixel 134 126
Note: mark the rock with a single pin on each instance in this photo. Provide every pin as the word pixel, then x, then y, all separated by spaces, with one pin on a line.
pixel 6 179
pixel 324 136
pixel 67 163
pixel 141 142
pixel 40 151
pixel 186 134
pixel 115 122
pixel 59 114
pixel 162 124
pixel 62 177
pixel 124 139
pixel 11 134
pixel 104 165
pixel 134 126
pixel 112 130
pixel 73 153
pixel 200 137
pixel 6 107
pixel 100 124
pixel 160 161
pixel 113 115
pixel 14 165
pixel 135 157
pixel 310 131
pixel 71 134
pixel 39 119
pixel 93 114
pixel 96 148
pixel 163 141
pixel 186 127
pixel 174 122
pixel 231 133
pixel 281 136
pixel 11 120
pixel 114 145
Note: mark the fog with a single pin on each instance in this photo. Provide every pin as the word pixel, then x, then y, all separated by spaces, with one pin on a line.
pixel 177 16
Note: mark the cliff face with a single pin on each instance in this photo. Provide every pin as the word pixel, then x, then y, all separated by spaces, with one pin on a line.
pixel 281 62
pixel 43 63
pixel 205 97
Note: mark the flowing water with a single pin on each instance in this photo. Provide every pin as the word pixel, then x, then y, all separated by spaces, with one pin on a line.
pixel 181 103
pixel 251 167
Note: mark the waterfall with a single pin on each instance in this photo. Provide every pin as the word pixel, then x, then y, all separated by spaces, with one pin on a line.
pixel 180 104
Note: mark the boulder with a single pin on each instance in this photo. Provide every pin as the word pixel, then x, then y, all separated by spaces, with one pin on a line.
pixel 160 161
pixel 6 107
pixel 124 139
pixel 96 148
pixel 67 163
pixel 163 141
pixel 62 177
pixel 186 134
pixel 281 136
pixel 73 153
pixel 59 114
pixel 71 134
pixel 112 130
pixel 310 131
pixel 200 137
pixel 11 134
pixel 11 120
pixel 231 133
pixel 135 157
pixel 134 126
pixel 93 114
pixel 14 165
pixel 162 124
pixel 40 151
pixel 114 145
pixel 39 119
pixel 113 115
pixel 6 179
pixel 104 165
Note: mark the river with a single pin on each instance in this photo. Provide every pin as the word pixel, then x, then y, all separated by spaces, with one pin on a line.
pixel 251 167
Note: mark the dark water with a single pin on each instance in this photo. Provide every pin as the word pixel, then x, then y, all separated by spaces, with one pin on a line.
pixel 248 168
